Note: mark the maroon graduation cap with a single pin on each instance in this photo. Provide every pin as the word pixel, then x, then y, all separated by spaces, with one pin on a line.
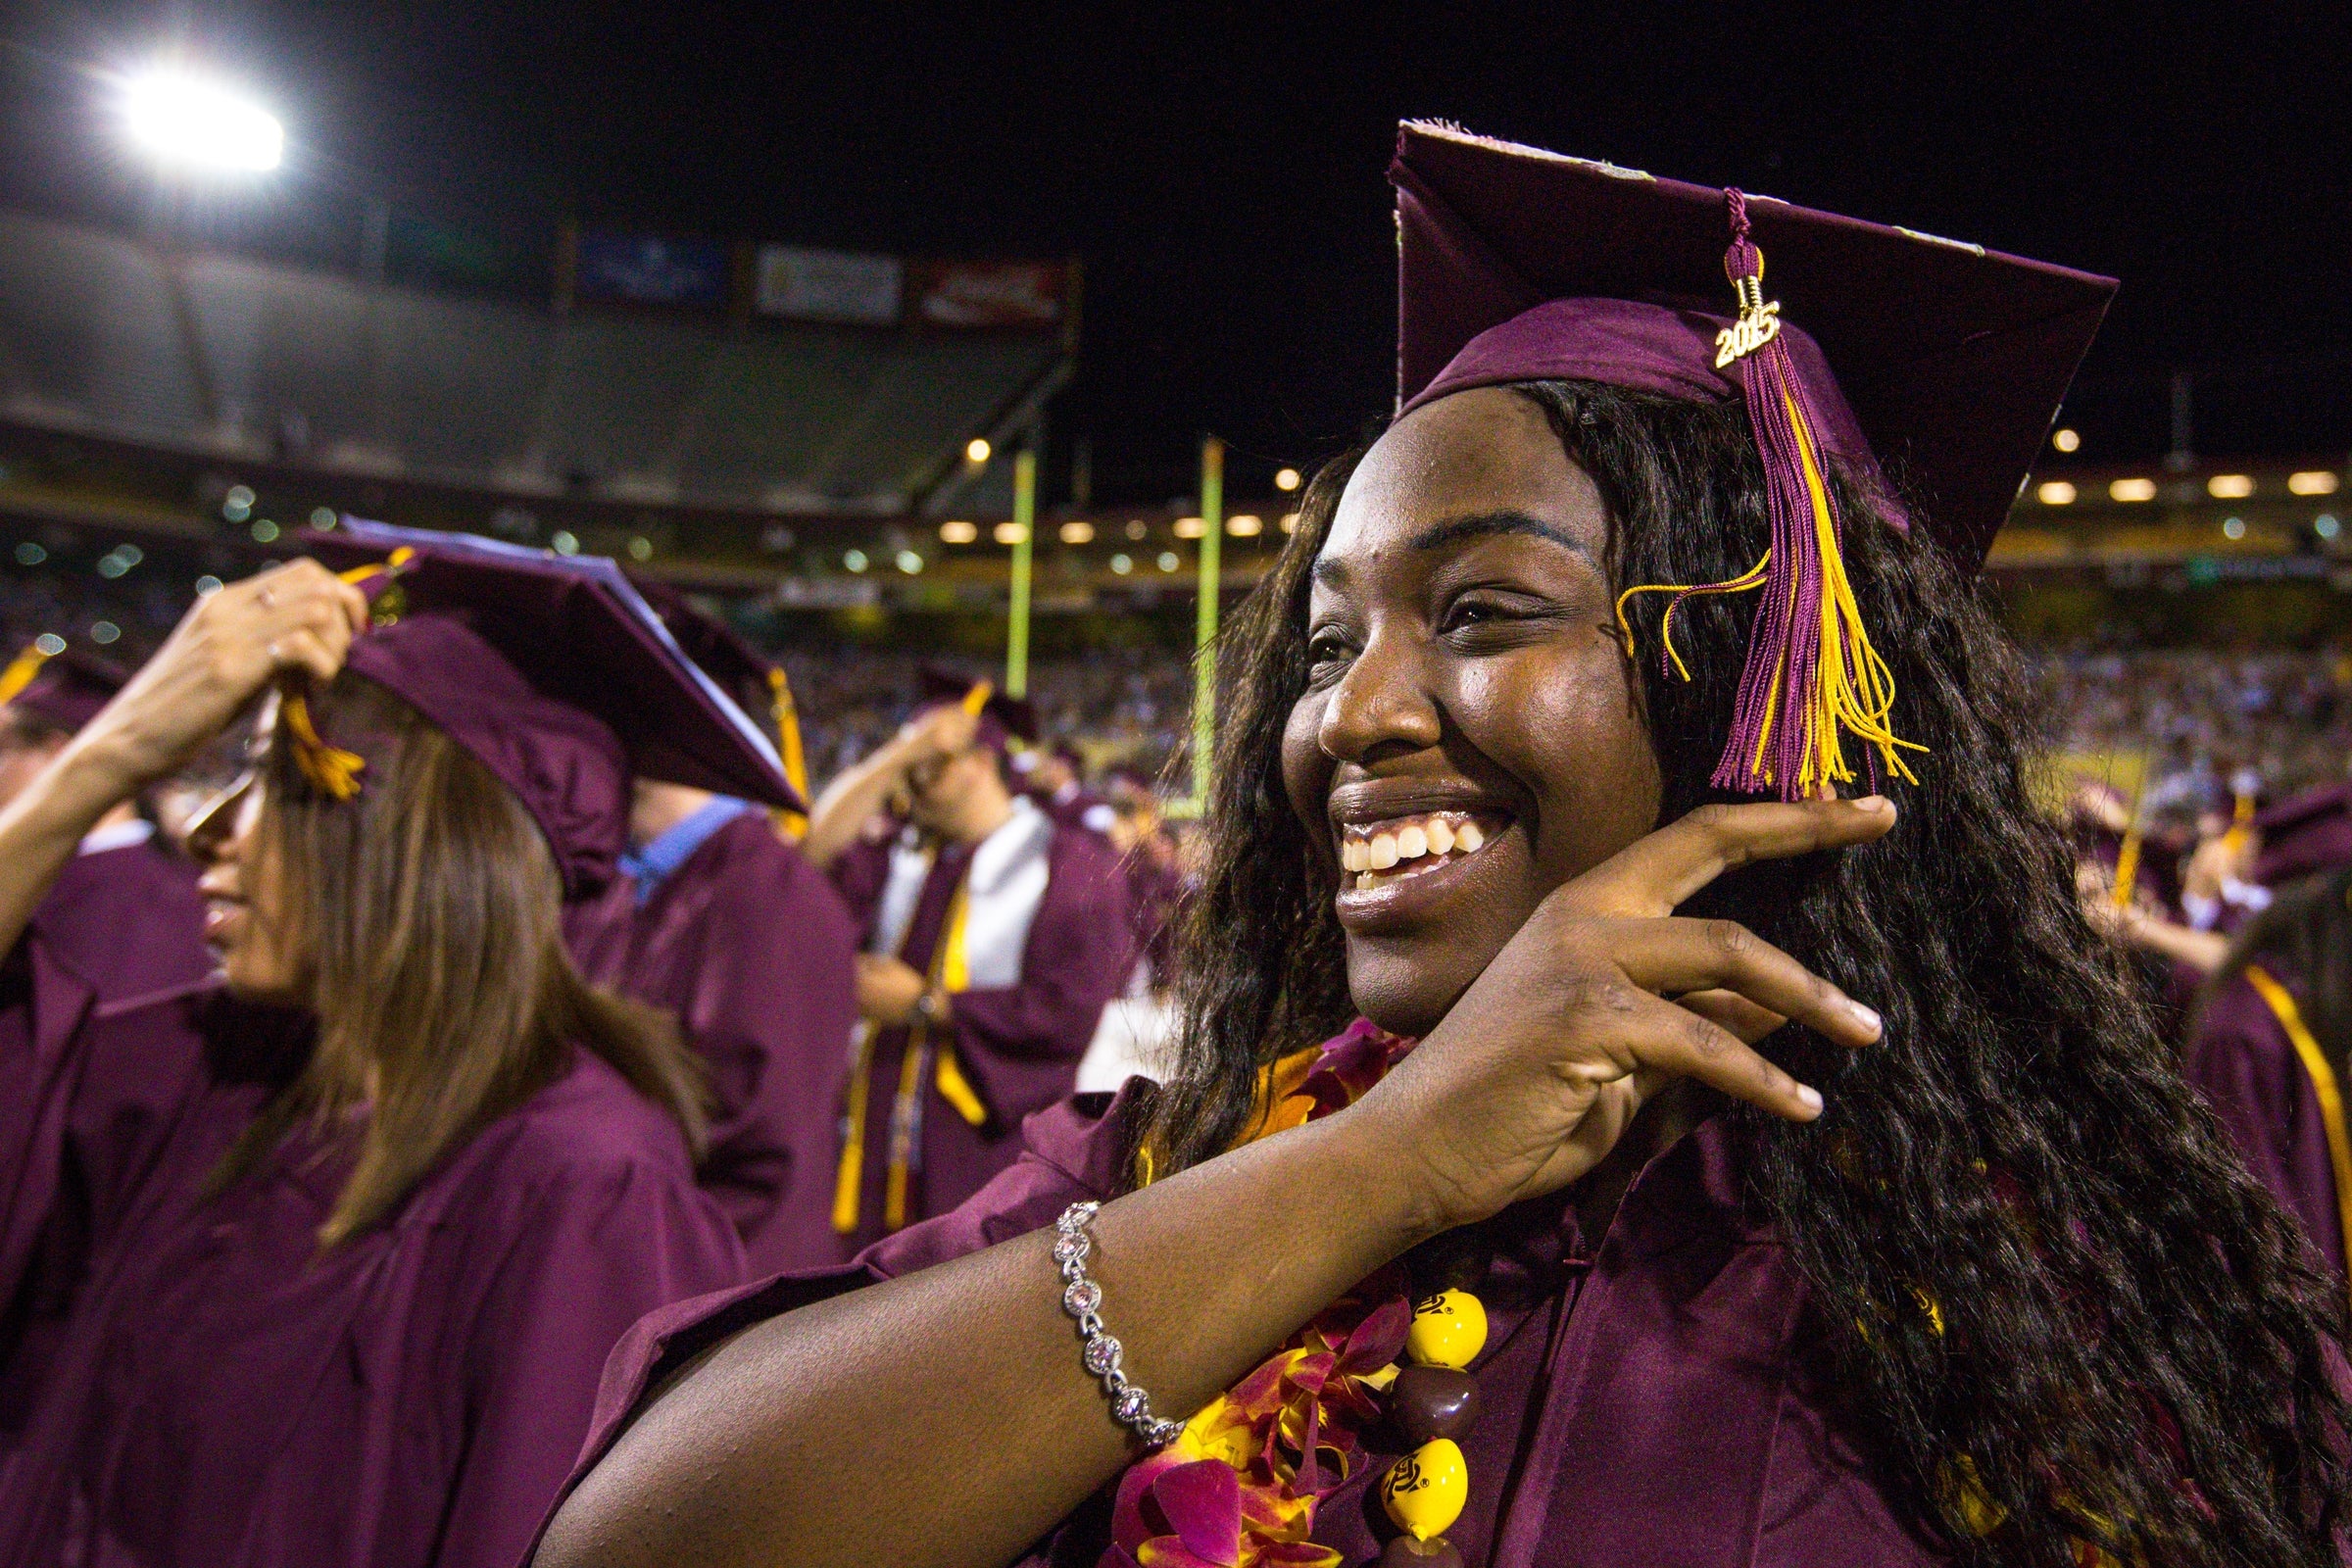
pixel 2304 834
pixel 1889 350
pixel 67 689
pixel 551 671
pixel 753 680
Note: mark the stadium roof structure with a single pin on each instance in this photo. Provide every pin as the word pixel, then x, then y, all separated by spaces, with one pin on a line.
pixel 219 357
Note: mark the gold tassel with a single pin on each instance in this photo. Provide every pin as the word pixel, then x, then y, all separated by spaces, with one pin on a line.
pixel 794 824
pixel 333 771
pixel 20 671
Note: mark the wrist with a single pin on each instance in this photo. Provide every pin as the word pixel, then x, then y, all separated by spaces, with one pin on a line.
pixel 1379 1182
pixel 92 775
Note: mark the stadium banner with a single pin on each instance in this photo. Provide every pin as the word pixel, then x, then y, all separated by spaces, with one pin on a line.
pixel 1022 295
pixel 649 270
pixel 840 286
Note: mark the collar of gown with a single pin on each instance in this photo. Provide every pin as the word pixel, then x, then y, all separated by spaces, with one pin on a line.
pixel 675 845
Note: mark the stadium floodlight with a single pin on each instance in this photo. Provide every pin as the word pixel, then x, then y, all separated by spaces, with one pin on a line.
pixel 976 451
pixel 186 121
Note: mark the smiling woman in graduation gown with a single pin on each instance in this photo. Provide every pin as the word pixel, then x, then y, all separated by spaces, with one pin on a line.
pixel 397 1192
pixel 1577 1157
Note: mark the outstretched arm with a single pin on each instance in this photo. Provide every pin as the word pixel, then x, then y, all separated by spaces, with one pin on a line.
pixel 942 1418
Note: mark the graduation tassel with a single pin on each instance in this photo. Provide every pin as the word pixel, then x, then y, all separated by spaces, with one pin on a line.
pixel 1810 671
pixel 331 770
pixel 20 671
pixel 787 715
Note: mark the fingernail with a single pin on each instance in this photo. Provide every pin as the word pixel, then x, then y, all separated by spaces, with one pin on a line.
pixel 1809 1096
pixel 1874 804
pixel 1865 1017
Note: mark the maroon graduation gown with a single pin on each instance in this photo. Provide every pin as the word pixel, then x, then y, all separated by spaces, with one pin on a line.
pixel 1648 1401
pixel 221 1394
pixel 753 951
pixel 119 930
pixel 1018 1046
pixel 2249 1071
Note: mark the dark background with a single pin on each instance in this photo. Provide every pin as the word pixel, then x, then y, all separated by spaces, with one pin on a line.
pixel 1219 169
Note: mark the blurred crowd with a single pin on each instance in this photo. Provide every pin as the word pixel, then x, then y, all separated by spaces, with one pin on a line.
pixel 2201 717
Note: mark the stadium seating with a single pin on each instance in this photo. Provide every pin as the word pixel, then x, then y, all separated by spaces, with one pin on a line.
pixel 213 355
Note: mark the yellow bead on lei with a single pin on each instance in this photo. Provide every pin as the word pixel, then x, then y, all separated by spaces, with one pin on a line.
pixel 1424 1491
pixel 1448 1330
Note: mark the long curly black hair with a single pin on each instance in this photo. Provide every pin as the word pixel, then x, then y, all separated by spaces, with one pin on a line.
pixel 2056 1307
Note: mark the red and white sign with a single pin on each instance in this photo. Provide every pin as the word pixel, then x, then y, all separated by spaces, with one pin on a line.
pixel 990 294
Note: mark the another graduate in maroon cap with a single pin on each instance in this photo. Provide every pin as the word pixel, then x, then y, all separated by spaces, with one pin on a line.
pixel 993 937
pixel 718 918
pixel 348 1244
pixel 1644 1091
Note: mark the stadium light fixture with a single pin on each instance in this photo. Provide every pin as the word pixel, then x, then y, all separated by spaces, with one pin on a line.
pixel 1290 523
pixel 2065 440
pixel 956 531
pixel 2312 482
pixel 186 121
pixel 1011 533
pixel 2229 487
pixel 2056 493
pixel 976 451
pixel 1079 532
pixel 2131 490
pixel 1286 480
pixel 1190 528
pixel 1244 525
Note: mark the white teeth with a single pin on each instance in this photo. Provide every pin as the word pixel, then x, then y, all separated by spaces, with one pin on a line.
pixel 1371 858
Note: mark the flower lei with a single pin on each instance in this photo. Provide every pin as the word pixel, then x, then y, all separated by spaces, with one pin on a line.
pixel 1239 1488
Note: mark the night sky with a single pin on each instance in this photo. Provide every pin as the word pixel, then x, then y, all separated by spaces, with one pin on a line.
pixel 1219 169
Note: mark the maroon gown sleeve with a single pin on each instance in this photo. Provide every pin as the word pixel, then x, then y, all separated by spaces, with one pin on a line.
pixel 2251 1075
pixel 1021 1044
pixel 595 1255
pixel 119 935
pixel 1075 1151
pixel 858 874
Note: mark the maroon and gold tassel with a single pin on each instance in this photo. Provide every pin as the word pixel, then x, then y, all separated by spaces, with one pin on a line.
pixel 1811 671
pixel 331 770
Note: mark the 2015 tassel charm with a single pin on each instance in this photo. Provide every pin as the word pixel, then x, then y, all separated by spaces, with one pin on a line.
pixel 1811 673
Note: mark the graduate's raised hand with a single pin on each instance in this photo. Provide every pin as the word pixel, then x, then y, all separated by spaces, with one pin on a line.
pixel 1602 997
pixel 296 618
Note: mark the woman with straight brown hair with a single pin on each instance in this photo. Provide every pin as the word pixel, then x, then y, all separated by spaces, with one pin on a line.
pixel 353 1235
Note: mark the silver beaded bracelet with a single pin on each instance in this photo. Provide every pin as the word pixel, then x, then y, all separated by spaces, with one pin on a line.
pixel 1082 1298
